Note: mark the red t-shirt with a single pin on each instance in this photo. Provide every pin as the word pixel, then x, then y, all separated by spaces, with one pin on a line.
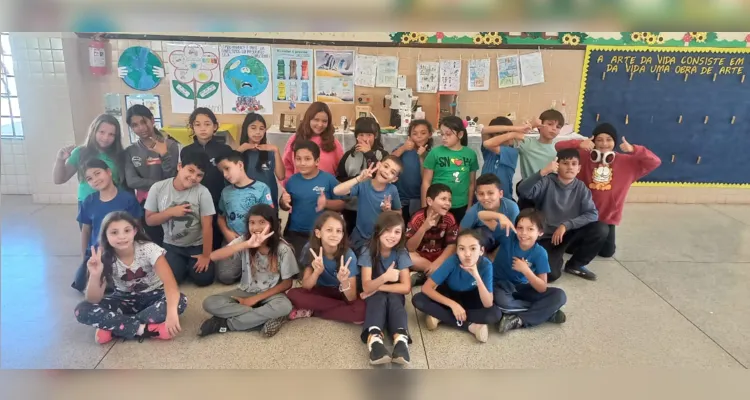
pixel 436 239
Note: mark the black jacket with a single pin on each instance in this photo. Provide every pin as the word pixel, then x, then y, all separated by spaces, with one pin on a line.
pixel 213 179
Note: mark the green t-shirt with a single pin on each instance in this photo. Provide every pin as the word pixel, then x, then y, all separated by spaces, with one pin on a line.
pixel 453 168
pixel 534 155
pixel 84 190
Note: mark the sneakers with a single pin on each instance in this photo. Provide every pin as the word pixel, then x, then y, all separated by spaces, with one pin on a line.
pixel 102 336
pixel 558 317
pixel 401 353
pixel 300 313
pixel 378 352
pixel 431 322
pixel 508 322
pixel 272 326
pixel 418 279
pixel 581 271
pixel 213 325
pixel 157 331
pixel 480 331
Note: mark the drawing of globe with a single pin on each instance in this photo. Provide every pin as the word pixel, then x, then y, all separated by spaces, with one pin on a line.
pixel 246 76
pixel 140 62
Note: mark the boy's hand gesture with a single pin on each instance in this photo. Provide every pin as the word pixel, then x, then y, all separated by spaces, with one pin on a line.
pixel 421 150
pixel 557 237
pixel 64 153
pixel 256 240
pixel 367 173
pixel 317 262
pixel 94 264
pixel 626 147
pixel 343 274
pixel 587 144
pixel 551 168
pixel 409 145
pixel 321 205
pixel 286 199
pixel 432 220
pixel 505 223
pixel 391 274
pixel 386 204
pixel 179 210
pixel 520 265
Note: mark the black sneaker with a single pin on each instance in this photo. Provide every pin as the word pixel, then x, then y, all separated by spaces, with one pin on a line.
pixel 272 326
pixel 581 271
pixel 213 325
pixel 400 353
pixel 418 279
pixel 558 317
pixel 379 354
pixel 508 322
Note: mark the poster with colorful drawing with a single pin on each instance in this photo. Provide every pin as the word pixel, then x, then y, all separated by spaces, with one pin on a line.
pixel 427 77
pixel 479 74
pixel 387 72
pixel 195 75
pixel 293 75
pixel 152 102
pixel 334 76
pixel 450 75
pixel 508 73
pixel 246 73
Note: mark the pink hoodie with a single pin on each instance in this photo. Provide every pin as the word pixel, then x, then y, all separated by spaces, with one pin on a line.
pixel 329 161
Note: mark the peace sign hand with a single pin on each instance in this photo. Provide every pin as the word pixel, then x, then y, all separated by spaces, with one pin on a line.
pixel 256 240
pixel 386 204
pixel 368 172
pixel 94 264
pixel 343 274
pixel 317 262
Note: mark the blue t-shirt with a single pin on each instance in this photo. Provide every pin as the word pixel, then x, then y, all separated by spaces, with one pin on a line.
pixel 266 174
pixel 536 256
pixel 458 280
pixel 409 183
pixel 304 193
pixel 471 220
pixel 93 211
pixel 503 165
pixel 328 277
pixel 369 202
pixel 401 257
pixel 236 202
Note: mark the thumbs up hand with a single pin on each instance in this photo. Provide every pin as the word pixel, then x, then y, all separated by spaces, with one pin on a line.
pixel 391 274
pixel 551 168
pixel 625 146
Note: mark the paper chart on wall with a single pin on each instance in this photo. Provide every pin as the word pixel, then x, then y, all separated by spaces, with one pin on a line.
pixel 508 72
pixel 293 77
pixel 152 102
pixel 246 73
pixel 479 74
pixel 334 76
pixel 387 72
pixel 401 82
pixel 532 69
pixel 427 77
pixel 365 70
pixel 195 78
pixel 450 75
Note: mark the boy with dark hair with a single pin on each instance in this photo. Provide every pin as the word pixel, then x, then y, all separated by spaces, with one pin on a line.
pixel 572 218
pixel 609 175
pixel 235 203
pixel 490 199
pixel 500 155
pixel 95 207
pixel 520 274
pixel 431 233
pixel 375 193
pixel 184 208
pixel 536 153
pixel 308 193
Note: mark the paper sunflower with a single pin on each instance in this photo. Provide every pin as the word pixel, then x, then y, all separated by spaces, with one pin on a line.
pixel 575 40
pixel 651 40
pixel 413 36
pixel 497 40
pixel 422 38
pixel 700 37
pixel 636 36
pixel 405 39
pixel 494 34
pixel 487 39
pixel 478 39
pixel 566 38
pixel 694 34
pixel 660 39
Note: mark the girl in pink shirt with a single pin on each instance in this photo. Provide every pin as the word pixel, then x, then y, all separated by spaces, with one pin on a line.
pixel 315 126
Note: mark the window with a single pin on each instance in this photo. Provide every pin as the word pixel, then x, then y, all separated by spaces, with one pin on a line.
pixel 10 112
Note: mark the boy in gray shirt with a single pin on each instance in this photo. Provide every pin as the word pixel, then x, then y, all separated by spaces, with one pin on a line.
pixel 571 218
pixel 184 208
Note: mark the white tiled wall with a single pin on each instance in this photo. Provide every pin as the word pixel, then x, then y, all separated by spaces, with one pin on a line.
pixel 14 178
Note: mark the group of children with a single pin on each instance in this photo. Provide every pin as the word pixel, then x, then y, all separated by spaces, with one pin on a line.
pixel 363 227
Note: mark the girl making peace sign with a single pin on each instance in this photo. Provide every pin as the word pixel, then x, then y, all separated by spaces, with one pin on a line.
pixel 329 284
pixel 146 302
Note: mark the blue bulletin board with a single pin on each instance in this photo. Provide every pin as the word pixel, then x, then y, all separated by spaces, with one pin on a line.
pixel 691 107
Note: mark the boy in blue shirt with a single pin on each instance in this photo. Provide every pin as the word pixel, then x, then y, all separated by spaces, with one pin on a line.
pixel 95 207
pixel 500 158
pixel 307 194
pixel 235 203
pixel 520 272
pixel 375 194
pixel 489 194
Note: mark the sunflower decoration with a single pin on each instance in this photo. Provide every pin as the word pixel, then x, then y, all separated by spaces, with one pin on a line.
pixel 660 39
pixel 694 34
pixel 566 38
pixel 497 40
pixel 651 40
pixel 413 36
pixel 636 36
pixel 700 37
pixel 405 38
pixel 493 34
pixel 487 39
pixel 575 40
pixel 422 38
pixel 478 39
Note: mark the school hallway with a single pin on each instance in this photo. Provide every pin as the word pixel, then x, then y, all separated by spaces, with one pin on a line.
pixel 676 294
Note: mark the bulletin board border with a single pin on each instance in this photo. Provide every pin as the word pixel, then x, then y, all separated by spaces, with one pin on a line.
pixel 635 49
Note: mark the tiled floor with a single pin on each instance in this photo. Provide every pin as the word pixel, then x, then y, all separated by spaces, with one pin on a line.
pixel 677 294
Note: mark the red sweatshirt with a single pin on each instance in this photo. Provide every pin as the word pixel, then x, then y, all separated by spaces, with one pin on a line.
pixel 610 188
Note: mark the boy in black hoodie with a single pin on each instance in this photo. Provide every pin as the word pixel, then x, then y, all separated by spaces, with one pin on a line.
pixel 571 216
pixel 367 152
